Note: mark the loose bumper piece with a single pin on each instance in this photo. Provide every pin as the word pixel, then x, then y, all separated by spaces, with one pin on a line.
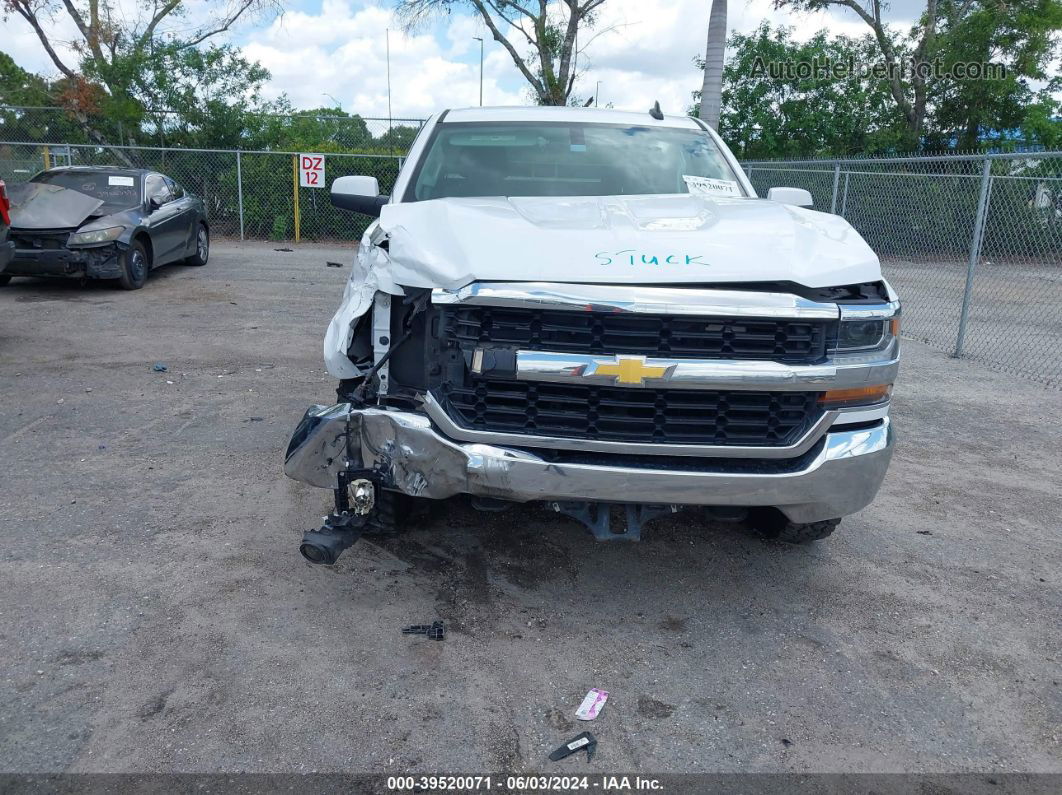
pixel 838 476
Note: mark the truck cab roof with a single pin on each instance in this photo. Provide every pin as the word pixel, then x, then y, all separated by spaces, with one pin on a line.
pixel 564 114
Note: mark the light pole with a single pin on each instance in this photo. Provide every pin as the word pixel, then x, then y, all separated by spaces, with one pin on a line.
pixel 480 40
pixel 597 92
pixel 339 105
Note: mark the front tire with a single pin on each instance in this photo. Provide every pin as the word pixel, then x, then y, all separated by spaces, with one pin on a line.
pixel 773 524
pixel 135 267
pixel 4 280
pixel 202 247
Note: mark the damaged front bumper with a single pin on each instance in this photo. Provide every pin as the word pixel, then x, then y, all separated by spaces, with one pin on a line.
pixel 99 262
pixel 838 476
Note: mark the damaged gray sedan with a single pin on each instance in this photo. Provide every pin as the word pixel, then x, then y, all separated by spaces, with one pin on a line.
pixel 94 222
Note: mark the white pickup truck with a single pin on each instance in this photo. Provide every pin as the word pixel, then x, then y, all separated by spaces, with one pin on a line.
pixel 594 310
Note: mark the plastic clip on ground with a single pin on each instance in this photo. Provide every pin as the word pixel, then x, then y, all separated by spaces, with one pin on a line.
pixel 435 630
pixel 575 745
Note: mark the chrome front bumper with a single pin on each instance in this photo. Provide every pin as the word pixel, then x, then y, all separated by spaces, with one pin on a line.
pixel 837 478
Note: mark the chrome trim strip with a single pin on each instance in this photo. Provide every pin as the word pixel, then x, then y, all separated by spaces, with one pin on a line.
pixel 860 414
pixel 869 311
pixel 454 431
pixel 631 298
pixel 746 374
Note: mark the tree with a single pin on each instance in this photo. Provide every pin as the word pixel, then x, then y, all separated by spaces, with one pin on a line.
pixel 398 138
pixel 321 129
pixel 772 115
pixel 549 29
pixel 1022 38
pixel 120 57
pixel 910 94
pixel 1027 32
pixel 712 88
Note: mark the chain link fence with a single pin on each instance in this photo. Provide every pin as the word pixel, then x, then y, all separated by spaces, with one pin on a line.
pixel 973 244
pixel 248 195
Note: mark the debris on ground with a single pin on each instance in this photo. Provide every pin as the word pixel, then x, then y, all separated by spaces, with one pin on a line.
pixel 592 704
pixel 577 743
pixel 436 630
pixel 331 264
pixel 282 249
pixel 925 532
pixel 159 367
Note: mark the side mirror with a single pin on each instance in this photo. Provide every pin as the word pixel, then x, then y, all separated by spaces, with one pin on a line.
pixel 153 204
pixel 796 196
pixel 359 195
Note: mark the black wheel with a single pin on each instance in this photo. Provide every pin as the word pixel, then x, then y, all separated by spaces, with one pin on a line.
pixel 772 523
pixel 4 280
pixel 390 512
pixel 135 266
pixel 794 533
pixel 202 247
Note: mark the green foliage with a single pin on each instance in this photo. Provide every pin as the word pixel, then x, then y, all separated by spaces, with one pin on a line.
pixel 765 117
pixel 1023 37
pixel 1043 121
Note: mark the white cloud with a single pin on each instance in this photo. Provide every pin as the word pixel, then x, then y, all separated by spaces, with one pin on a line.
pixel 21 43
pixel 649 53
pixel 343 52
pixel 337 47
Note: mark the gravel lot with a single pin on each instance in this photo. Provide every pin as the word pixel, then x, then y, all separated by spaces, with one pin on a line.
pixel 156 615
pixel 1015 322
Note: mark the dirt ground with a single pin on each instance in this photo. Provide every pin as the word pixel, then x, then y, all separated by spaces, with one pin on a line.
pixel 156 616
pixel 1015 317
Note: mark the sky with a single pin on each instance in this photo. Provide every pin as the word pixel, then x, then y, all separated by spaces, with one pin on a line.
pixel 324 52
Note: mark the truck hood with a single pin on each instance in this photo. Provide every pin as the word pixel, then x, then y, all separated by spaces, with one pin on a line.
pixel 666 239
pixel 36 205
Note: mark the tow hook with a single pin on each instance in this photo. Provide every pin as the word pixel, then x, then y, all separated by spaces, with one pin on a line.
pixel 355 501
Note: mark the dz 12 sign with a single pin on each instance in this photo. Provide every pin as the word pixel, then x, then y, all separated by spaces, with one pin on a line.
pixel 311 171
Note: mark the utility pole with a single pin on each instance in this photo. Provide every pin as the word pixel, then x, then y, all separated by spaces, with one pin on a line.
pixel 480 40
pixel 597 92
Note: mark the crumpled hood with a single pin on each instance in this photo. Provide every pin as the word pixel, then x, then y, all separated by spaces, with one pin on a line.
pixel 669 239
pixel 36 205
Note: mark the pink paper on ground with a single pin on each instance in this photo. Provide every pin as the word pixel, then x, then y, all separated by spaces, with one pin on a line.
pixel 592 704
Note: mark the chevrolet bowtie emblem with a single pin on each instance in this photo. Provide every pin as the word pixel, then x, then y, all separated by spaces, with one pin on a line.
pixel 631 370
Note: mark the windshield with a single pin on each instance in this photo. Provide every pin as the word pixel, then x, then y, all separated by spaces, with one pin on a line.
pixel 118 191
pixel 561 159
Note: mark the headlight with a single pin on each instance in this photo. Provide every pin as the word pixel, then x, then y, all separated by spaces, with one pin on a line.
pixel 857 335
pixel 866 335
pixel 95 236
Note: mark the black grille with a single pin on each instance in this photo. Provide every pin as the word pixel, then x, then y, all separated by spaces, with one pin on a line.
pixel 648 335
pixel 675 416
pixel 49 240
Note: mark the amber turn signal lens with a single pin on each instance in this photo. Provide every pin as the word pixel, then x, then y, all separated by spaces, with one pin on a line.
pixel 894 326
pixel 859 396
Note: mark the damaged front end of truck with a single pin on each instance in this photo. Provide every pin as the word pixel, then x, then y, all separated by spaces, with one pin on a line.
pixel 610 392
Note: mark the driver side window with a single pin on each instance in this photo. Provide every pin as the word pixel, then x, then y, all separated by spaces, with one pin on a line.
pixel 157 190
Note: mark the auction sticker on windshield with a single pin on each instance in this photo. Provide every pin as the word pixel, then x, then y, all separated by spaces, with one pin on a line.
pixel 125 182
pixel 712 187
